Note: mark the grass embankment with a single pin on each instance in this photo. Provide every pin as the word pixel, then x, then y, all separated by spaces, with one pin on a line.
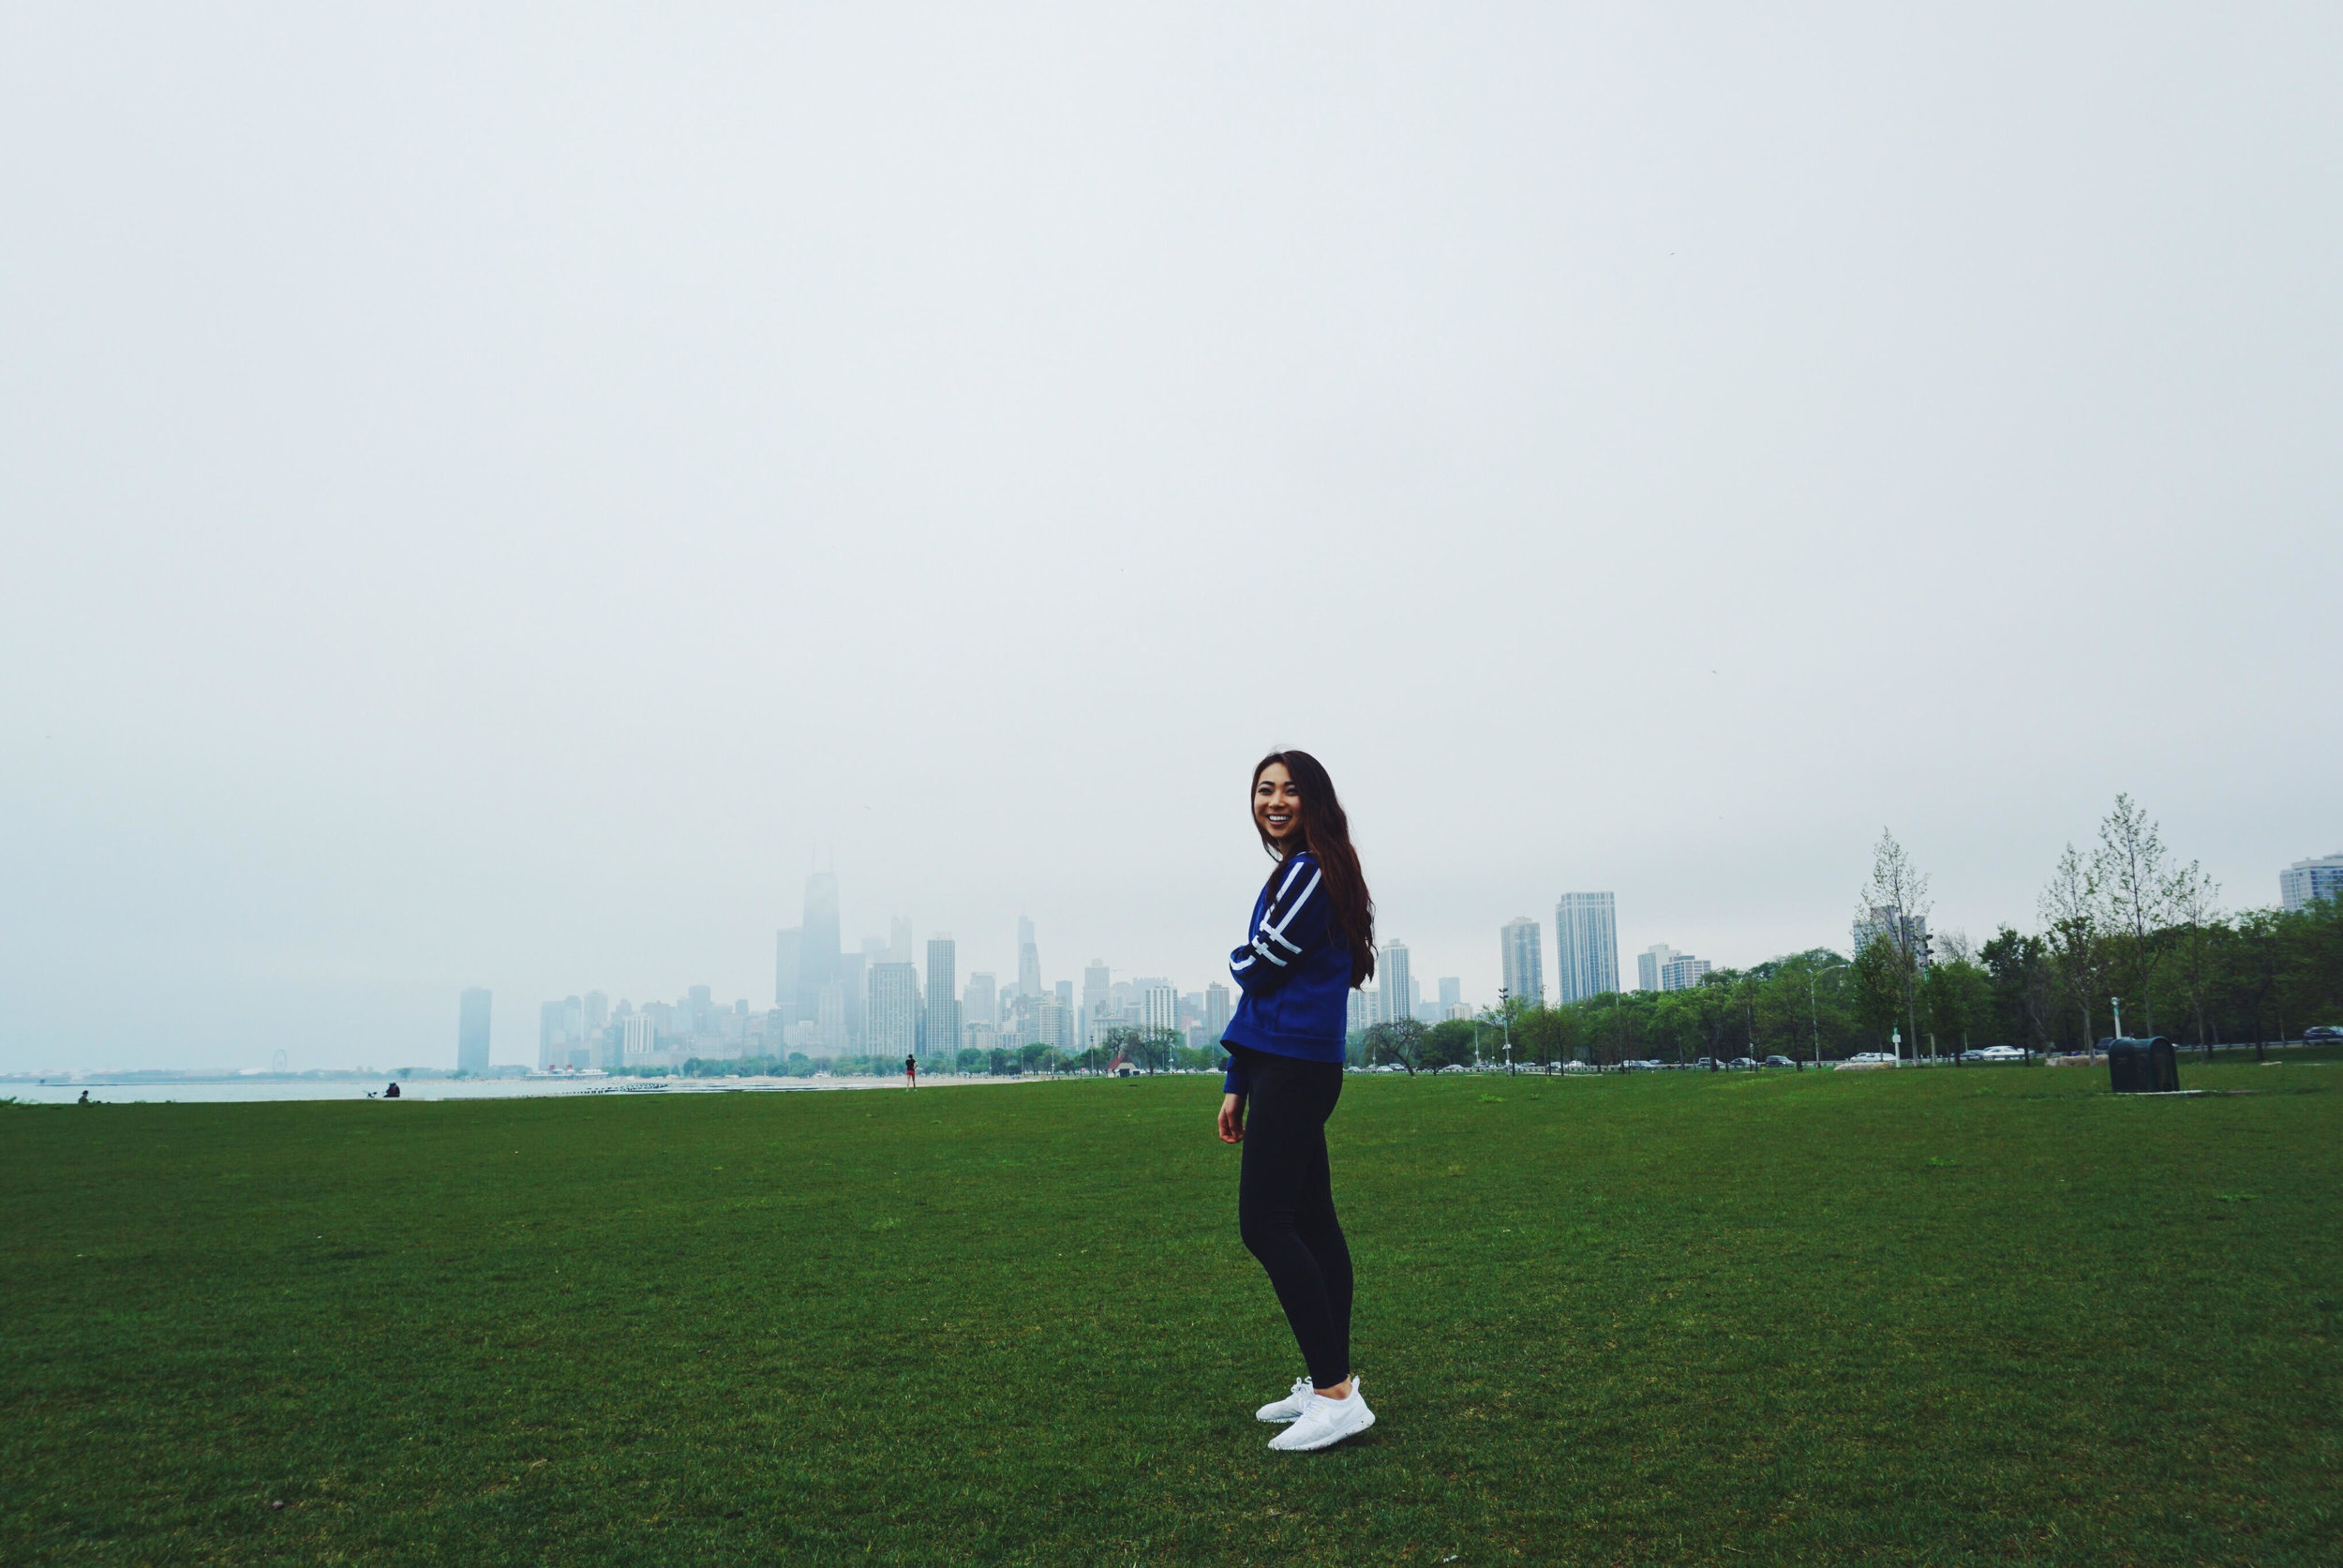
pixel 1946 1316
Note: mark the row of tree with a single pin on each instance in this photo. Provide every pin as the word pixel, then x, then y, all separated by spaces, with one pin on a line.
pixel 2125 926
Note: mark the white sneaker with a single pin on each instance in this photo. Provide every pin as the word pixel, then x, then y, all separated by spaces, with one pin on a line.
pixel 1326 1421
pixel 1297 1399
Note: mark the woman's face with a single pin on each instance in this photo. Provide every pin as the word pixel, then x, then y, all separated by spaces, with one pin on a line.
pixel 1276 804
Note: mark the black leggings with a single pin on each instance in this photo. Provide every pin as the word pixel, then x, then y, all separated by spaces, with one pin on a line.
pixel 1285 1203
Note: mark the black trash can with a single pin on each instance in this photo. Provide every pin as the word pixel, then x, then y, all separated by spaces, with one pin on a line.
pixel 2142 1066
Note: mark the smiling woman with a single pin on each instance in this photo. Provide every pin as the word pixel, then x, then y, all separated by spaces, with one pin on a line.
pixel 1312 938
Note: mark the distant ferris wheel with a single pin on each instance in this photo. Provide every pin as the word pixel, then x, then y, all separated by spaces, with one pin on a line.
pixel 280 1062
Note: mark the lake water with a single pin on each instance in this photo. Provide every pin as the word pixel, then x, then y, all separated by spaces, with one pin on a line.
pixel 212 1091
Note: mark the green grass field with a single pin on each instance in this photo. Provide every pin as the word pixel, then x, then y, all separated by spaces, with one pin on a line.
pixel 1989 1315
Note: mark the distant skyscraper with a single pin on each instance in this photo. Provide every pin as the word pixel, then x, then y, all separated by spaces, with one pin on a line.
pixel 1395 1001
pixel 899 939
pixel 1649 963
pixel 1097 987
pixel 980 1002
pixel 943 1006
pixel 1520 944
pixel 1450 994
pixel 471 1031
pixel 1358 1014
pixel 892 1017
pixel 817 946
pixel 1907 932
pixel 1216 1010
pixel 553 1036
pixel 2307 880
pixel 853 983
pixel 830 1032
pixel 1028 960
pixel 1586 931
pixel 597 1013
pixel 785 945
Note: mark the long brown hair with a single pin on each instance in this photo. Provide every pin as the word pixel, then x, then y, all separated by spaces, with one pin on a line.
pixel 1326 833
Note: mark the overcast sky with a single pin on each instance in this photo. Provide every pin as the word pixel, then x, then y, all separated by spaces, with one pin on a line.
pixel 489 497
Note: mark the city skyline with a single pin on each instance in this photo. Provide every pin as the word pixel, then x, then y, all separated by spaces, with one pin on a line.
pixel 425 586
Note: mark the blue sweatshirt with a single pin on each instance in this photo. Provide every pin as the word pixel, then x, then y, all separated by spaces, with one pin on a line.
pixel 1295 970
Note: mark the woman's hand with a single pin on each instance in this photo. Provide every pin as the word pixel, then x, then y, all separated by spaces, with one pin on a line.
pixel 1232 1118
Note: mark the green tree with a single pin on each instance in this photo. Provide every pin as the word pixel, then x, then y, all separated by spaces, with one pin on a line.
pixel 1399 1041
pixel 2068 908
pixel 1898 893
pixel 2128 869
pixel 2194 899
pixel 2024 991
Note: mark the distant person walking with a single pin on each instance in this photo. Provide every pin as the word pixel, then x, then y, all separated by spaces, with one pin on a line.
pixel 911 1072
pixel 1311 940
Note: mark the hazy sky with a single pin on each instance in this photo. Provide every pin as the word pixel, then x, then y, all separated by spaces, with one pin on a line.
pixel 487 496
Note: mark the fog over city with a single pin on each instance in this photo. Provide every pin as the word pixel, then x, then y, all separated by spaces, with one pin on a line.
pixel 496 498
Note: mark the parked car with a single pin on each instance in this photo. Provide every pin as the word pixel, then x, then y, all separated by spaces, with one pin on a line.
pixel 2323 1034
pixel 1707 1064
pixel 1738 1062
pixel 1780 1062
pixel 1971 1057
pixel 2001 1054
pixel 1874 1058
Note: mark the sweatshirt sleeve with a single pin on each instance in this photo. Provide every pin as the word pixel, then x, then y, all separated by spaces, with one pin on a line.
pixel 1294 921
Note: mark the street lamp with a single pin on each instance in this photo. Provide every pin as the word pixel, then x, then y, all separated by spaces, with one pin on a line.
pixel 1814 1017
pixel 2117 1003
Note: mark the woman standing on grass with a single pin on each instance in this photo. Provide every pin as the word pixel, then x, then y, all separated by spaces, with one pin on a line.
pixel 1312 939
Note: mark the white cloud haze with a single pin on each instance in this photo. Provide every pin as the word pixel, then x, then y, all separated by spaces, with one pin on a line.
pixel 487 496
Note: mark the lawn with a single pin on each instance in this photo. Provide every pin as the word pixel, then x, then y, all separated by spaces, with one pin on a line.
pixel 1984 1315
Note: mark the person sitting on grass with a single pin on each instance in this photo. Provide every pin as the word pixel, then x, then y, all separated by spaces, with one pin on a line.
pixel 1311 940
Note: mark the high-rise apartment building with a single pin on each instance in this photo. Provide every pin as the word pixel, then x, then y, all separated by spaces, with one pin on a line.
pixel 980 1002
pixel 1159 1008
pixel 1649 963
pixel 1394 999
pixel 1097 987
pixel 899 939
pixel 1519 943
pixel 1586 937
pixel 1682 972
pixel 2307 880
pixel 817 944
pixel 943 1012
pixel 471 1030
pixel 1359 1013
pixel 1028 960
pixel 891 1015
pixel 1053 1020
pixel 1215 1010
